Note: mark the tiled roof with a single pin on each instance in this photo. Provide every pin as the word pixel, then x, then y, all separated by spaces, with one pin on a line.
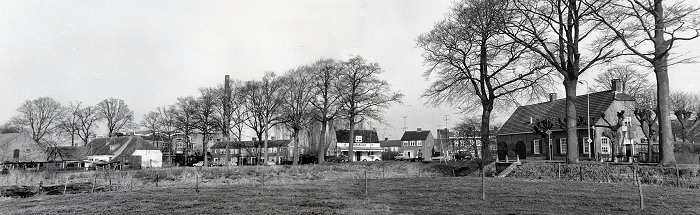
pixel 248 144
pixel 415 135
pixel 368 136
pixel 390 143
pixel 71 153
pixel 123 146
pixel 519 121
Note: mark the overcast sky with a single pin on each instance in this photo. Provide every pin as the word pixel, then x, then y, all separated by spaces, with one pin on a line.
pixel 148 53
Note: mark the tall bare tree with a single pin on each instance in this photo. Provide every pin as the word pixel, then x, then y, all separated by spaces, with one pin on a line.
pixel 325 73
pixel 151 121
pixel 41 116
pixel 87 117
pixel 70 123
pixel 185 111
pixel 296 102
pixel 205 117
pixel 167 123
pixel 650 30
pixel 117 114
pixel 364 95
pixel 646 112
pixel 559 29
pixel 474 60
pixel 262 102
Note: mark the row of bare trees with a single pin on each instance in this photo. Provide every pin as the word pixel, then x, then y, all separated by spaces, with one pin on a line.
pixel 492 54
pixel 318 93
pixel 47 120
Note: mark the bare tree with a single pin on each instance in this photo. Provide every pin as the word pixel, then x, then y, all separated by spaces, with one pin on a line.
pixel 686 108
pixel 41 116
pixel 559 28
pixel 364 94
pixel 614 131
pixel 646 112
pixel 117 114
pixel 296 102
pixel 649 30
pixel 185 120
pixel 151 121
pixel 167 123
pixel 634 82
pixel 87 118
pixel 262 102
pixel 70 123
pixel 467 128
pixel 325 73
pixel 474 60
pixel 205 117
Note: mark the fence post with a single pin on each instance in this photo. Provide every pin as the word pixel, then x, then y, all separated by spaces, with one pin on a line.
pixel 580 172
pixel 366 195
pixel 558 171
pixel 65 186
pixel 196 185
pixel 94 181
pixel 678 177
pixel 157 178
pixel 41 185
pixel 639 187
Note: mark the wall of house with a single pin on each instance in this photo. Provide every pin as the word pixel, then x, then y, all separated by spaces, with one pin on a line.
pixel 150 158
pixel 28 150
pixel 426 148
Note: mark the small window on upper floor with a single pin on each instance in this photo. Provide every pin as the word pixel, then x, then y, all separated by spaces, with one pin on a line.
pixel 358 139
pixel 15 153
pixel 628 121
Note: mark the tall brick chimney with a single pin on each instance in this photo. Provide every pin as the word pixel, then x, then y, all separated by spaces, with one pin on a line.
pixel 617 85
pixel 552 97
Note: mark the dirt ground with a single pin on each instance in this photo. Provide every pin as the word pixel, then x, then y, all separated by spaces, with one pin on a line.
pixel 427 195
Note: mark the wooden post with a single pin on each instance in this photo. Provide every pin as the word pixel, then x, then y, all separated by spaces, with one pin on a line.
pixel 607 172
pixel 65 185
pixel 678 177
pixel 383 175
pixel 94 181
pixel 580 172
pixel 157 179
pixel 41 185
pixel 419 171
pixel 196 185
pixel 639 187
pixel 483 182
pixel 366 193
pixel 559 171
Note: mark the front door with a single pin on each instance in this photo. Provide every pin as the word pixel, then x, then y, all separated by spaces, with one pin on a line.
pixel 357 156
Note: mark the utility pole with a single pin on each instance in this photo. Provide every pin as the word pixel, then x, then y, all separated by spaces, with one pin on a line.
pixel 404 123
pixel 226 117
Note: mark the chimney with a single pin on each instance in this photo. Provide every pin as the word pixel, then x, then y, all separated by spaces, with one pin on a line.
pixel 418 129
pixel 552 97
pixel 617 85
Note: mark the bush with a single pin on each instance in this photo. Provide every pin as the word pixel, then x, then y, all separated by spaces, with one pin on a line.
pixel 387 156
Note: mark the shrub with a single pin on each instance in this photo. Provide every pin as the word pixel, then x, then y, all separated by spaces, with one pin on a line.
pixel 387 156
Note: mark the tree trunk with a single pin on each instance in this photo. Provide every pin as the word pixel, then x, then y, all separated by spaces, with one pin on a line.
pixel 485 133
pixel 351 154
pixel 571 125
pixel 296 147
pixel 204 149
pixel 265 146
pixel 322 143
pixel 660 64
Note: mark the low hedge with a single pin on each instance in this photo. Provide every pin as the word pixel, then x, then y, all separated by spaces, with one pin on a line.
pixel 610 173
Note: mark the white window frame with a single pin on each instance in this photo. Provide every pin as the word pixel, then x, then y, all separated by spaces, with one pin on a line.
pixel 413 142
pixel 628 121
pixel 358 139
pixel 605 145
pixel 419 143
pixel 586 145
pixel 563 144
pixel 536 147
pixel 404 143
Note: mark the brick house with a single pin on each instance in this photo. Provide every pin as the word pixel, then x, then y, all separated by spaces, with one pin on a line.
pixel 413 141
pixel 519 136
pixel 245 152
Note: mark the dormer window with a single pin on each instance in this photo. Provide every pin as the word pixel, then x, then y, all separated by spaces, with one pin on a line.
pixel 358 139
pixel 112 147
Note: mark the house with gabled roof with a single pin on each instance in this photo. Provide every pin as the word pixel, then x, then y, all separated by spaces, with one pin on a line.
pixel 18 148
pixel 246 152
pixel 133 151
pixel 418 140
pixel 366 143
pixel 518 133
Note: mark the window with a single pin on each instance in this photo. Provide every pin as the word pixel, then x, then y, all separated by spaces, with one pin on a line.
pixel 628 121
pixel 536 147
pixel 419 142
pixel 586 145
pixel 405 143
pixel 605 145
pixel 358 139
pixel 413 143
pixel 15 153
pixel 562 145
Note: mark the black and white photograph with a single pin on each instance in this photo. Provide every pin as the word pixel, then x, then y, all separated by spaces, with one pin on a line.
pixel 350 107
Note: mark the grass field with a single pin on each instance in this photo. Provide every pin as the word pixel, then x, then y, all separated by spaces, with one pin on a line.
pixel 425 195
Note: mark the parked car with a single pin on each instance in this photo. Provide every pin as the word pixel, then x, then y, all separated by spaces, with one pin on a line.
pixel 401 157
pixel 372 158
pixel 337 159
pixel 463 156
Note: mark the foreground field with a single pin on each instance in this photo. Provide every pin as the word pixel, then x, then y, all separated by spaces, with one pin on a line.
pixel 439 195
